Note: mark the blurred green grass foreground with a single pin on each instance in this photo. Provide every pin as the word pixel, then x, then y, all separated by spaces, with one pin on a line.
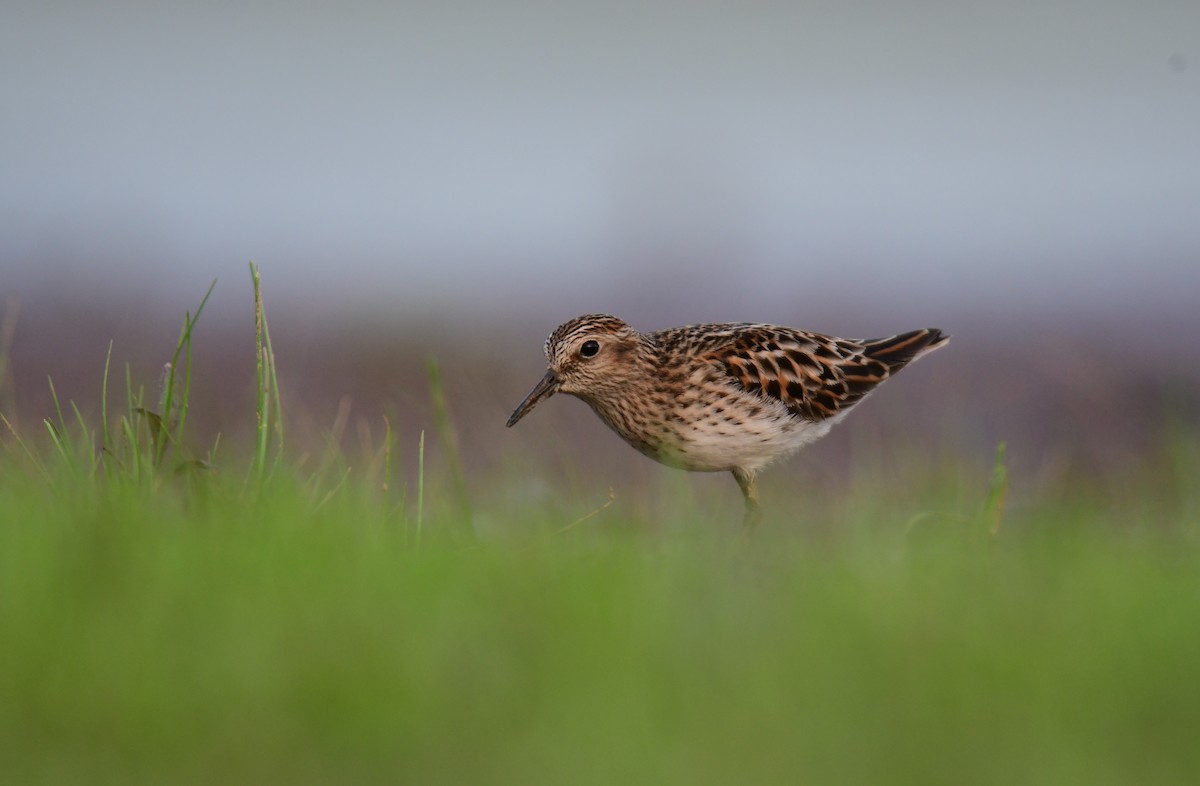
pixel 166 618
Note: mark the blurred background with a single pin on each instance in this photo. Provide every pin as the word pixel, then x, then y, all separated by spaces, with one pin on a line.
pixel 455 179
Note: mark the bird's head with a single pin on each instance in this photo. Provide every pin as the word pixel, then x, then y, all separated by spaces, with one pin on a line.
pixel 590 357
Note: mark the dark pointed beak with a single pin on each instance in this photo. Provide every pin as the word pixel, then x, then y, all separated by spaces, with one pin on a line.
pixel 544 389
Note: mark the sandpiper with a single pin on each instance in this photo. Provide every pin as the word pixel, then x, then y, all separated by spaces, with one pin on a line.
pixel 719 397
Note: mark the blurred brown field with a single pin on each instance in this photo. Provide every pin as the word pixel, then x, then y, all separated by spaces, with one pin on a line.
pixel 1076 402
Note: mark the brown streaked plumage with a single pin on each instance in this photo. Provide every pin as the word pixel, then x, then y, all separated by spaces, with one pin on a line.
pixel 719 397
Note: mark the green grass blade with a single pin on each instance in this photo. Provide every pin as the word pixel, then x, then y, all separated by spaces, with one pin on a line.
pixel 62 423
pixel 387 456
pixel 106 447
pixel 183 403
pixel 266 388
pixel 87 439
pixel 33 458
pixel 420 486
pixel 183 346
pixel 130 429
pixel 59 441
pixel 264 430
pixel 273 376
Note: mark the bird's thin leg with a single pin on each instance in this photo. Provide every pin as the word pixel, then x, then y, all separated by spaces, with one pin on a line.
pixel 748 483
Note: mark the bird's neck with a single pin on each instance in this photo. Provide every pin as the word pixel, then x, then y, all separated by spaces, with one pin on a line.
pixel 622 402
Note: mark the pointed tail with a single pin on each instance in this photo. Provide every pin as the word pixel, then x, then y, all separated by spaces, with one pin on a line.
pixel 899 351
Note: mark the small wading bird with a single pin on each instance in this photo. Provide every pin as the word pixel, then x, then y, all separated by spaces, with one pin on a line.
pixel 719 398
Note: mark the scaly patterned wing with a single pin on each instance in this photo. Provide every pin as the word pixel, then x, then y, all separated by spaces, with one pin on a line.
pixel 813 375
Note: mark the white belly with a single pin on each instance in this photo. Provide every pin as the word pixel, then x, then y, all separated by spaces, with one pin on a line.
pixel 710 443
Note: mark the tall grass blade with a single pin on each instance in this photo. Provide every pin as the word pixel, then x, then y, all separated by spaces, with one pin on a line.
pixel 333 491
pixel 332 457
pixel 165 402
pixel 106 445
pixel 33 459
pixel 420 485
pixel 130 426
pixel 183 346
pixel 58 432
pixel 62 423
pixel 387 455
pixel 274 377
pixel 612 497
pixel 158 431
pixel 187 392
pixel 267 385
pixel 262 425
pixel 58 439
pixel 87 437
pixel 130 429
pixel 212 452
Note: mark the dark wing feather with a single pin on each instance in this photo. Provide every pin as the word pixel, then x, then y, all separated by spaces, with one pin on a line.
pixel 899 351
pixel 813 375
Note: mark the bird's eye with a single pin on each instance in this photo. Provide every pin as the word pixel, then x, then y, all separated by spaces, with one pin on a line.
pixel 589 349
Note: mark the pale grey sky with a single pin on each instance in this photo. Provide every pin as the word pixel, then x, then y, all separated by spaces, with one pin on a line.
pixel 729 158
